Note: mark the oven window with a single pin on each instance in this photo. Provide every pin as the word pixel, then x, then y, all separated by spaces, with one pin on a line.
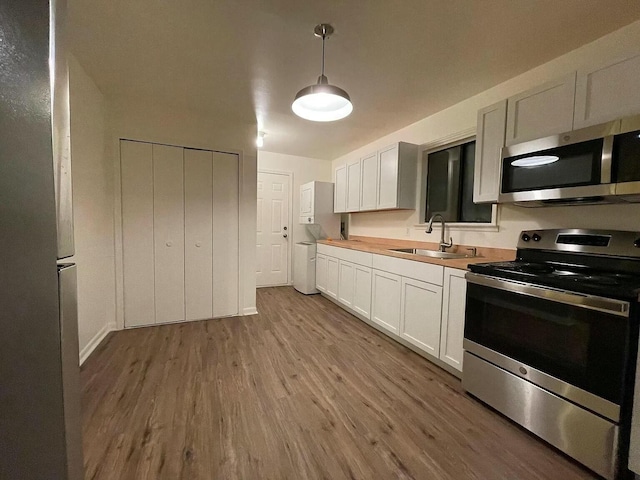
pixel 582 347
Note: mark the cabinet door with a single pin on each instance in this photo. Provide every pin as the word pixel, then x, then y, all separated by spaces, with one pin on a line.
pixel 346 283
pixel 607 92
pixel 353 186
pixel 421 311
pixel 541 111
pixel 388 177
pixel 198 234
pixel 369 182
pixel 321 272
pixel 333 273
pixel 453 310
pixel 306 200
pixel 362 291
pixel 340 191
pixel 386 292
pixel 489 142
pixel 137 233
pixel 168 232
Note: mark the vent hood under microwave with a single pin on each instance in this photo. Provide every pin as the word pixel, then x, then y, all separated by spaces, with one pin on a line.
pixel 599 164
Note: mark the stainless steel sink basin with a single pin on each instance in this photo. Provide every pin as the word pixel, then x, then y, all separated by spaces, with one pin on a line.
pixel 431 253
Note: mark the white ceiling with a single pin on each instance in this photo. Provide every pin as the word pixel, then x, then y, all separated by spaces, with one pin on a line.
pixel 399 60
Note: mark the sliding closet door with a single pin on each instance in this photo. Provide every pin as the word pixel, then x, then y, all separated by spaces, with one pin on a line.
pixel 136 167
pixel 225 234
pixel 168 229
pixel 198 224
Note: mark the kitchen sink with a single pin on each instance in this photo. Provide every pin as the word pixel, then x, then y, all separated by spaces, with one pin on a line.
pixel 431 253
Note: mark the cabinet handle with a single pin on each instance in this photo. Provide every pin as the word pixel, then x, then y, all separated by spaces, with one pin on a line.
pixel 169 244
pixel 198 244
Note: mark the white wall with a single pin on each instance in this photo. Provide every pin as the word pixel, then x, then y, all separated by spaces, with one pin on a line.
pixel 137 119
pixel 93 202
pixel 304 169
pixel 462 117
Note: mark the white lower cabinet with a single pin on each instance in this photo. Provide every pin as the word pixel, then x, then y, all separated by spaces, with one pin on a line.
pixel 453 309
pixel 346 283
pixel 333 273
pixel 385 300
pixel 420 314
pixel 362 291
pixel 321 272
pixel 420 303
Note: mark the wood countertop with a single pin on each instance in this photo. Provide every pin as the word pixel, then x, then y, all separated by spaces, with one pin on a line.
pixel 382 246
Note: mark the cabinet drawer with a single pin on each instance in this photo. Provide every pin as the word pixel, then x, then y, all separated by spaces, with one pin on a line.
pixel 425 272
pixel 355 256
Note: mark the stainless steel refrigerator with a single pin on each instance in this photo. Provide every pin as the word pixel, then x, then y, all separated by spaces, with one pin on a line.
pixel 40 420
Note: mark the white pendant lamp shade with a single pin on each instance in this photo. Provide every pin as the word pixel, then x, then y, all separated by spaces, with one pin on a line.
pixel 322 102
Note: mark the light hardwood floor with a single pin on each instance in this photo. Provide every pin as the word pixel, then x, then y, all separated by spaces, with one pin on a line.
pixel 301 391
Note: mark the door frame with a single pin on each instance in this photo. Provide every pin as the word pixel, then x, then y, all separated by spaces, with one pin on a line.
pixel 289 176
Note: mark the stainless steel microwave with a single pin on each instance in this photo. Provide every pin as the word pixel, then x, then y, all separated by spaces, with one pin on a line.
pixel 599 164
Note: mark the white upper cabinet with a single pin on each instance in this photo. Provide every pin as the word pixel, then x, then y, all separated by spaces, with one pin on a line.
pixel 397 172
pixel 541 111
pixel 353 186
pixel 369 182
pixel 607 92
pixel 489 142
pixel 384 180
pixel 316 207
pixel 340 190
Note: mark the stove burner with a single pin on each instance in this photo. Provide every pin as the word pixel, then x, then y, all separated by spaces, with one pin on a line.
pixel 534 268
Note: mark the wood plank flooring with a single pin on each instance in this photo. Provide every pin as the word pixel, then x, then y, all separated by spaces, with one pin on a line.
pixel 301 391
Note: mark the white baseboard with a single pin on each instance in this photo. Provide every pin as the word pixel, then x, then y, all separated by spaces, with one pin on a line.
pixel 250 311
pixel 95 341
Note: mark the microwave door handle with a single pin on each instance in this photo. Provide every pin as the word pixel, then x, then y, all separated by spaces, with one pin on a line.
pixel 606 160
pixel 601 304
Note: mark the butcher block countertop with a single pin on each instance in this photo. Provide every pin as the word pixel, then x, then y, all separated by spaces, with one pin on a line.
pixel 382 246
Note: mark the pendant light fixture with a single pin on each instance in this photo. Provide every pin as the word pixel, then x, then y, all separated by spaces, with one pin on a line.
pixel 322 102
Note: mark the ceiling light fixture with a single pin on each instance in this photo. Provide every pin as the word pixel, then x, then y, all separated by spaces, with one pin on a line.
pixel 535 161
pixel 260 139
pixel 322 102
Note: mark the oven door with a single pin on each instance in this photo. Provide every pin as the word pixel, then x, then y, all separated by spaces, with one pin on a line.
pixel 573 345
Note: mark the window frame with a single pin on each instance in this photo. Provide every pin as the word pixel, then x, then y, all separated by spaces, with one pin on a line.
pixel 443 143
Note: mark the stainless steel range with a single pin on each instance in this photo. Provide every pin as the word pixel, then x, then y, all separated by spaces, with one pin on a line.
pixel 551 340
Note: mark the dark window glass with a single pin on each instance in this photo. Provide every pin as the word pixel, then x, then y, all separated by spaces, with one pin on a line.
pixel 450 186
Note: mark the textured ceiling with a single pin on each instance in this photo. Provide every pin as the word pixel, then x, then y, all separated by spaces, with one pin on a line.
pixel 399 60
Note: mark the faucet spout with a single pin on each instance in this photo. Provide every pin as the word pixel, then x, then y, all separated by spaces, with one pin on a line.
pixel 443 244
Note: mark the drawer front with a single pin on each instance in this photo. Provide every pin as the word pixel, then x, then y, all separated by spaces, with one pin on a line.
pixel 346 254
pixel 425 272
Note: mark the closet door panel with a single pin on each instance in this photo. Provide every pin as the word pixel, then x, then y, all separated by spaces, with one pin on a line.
pixel 225 234
pixel 198 234
pixel 136 167
pixel 168 216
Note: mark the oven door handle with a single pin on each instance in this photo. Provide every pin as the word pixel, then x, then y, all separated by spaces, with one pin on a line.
pixel 607 305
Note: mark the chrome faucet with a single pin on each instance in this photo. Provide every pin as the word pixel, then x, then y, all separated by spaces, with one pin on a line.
pixel 443 245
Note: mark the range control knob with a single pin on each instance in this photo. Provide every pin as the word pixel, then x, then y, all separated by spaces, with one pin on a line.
pixel 535 237
pixel 637 243
pixel 525 237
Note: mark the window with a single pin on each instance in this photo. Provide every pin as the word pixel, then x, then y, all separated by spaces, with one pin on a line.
pixel 449 185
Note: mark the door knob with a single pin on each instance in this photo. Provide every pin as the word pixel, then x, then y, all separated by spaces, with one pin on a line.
pixel 284 228
pixel 285 235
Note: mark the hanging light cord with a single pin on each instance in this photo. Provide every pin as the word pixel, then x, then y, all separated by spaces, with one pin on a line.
pixel 323 37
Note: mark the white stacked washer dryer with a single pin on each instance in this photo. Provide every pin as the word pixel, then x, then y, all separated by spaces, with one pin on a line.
pixel 316 212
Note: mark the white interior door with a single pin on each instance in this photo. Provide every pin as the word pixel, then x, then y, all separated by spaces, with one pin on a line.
pixel 225 234
pixel 198 234
pixel 273 231
pixel 168 230
pixel 136 166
